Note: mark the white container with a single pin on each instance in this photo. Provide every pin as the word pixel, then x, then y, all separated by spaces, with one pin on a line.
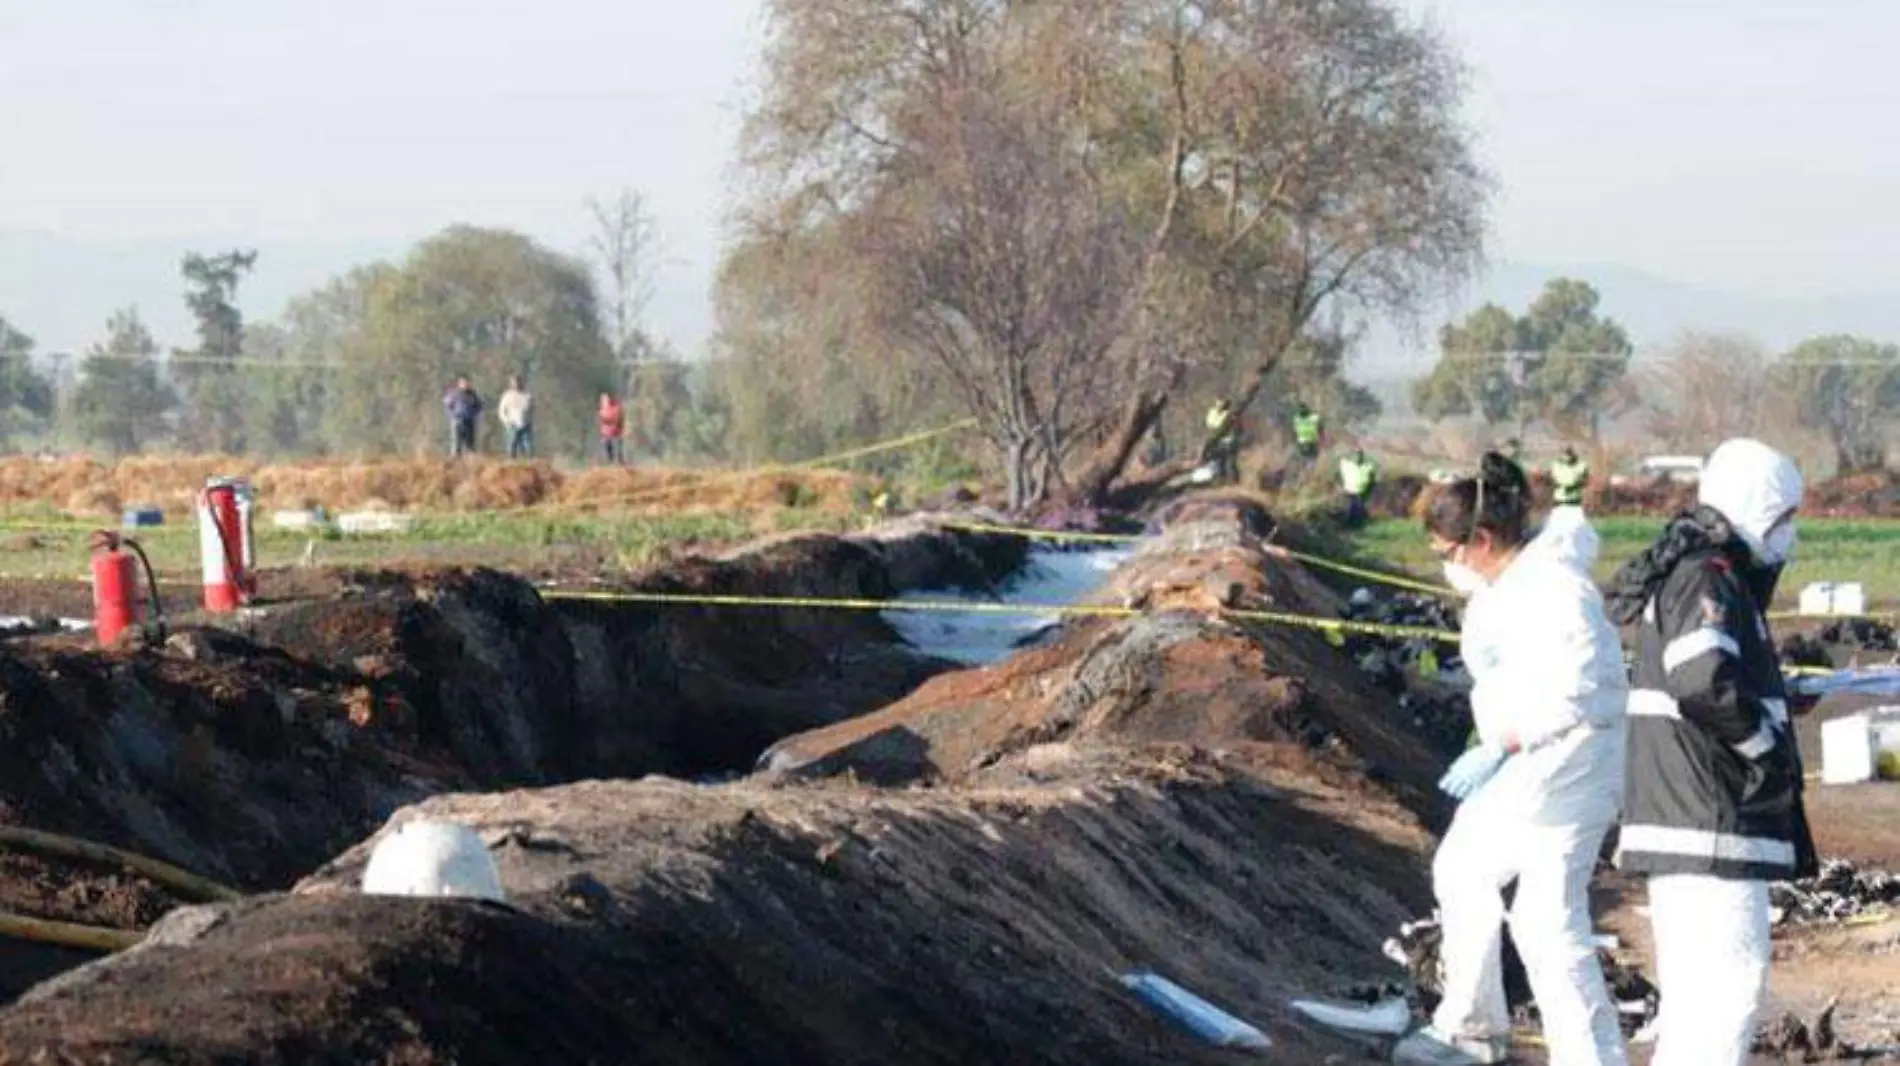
pixel 1851 746
pixel 300 519
pixel 369 522
pixel 1850 598
pixel 1818 598
pixel 1847 598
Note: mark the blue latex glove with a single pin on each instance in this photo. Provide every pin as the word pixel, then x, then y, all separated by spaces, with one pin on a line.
pixel 1472 770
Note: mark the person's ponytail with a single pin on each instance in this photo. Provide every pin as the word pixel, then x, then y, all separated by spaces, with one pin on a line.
pixel 1496 500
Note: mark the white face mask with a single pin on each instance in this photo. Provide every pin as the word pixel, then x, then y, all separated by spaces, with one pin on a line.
pixel 1779 546
pixel 1463 580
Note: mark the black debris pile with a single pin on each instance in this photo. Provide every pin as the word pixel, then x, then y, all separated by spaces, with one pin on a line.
pixel 1861 634
pixel 1417 949
pixel 1850 641
pixel 1794 1039
pixel 1440 714
pixel 1801 649
pixel 1389 607
pixel 1423 674
pixel 41 626
pixel 1841 891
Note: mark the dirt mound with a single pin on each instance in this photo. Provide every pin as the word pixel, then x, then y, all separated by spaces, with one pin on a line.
pixel 662 923
pixel 1859 495
pixel 1184 672
pixel 251 757
pixel 82 488
pixel 1397 496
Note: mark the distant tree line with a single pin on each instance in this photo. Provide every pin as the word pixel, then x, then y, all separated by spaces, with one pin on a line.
pixel 1564 365
pixel 1079 221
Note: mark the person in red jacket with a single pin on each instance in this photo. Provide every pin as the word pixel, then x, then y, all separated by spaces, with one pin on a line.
pixel 613 429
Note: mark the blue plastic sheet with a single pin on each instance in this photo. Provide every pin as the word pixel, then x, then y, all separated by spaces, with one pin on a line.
pixel 1872 681
pixel 1196 1015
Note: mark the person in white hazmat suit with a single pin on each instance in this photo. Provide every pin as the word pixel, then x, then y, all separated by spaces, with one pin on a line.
pixel 1713 809
pixel 1539 790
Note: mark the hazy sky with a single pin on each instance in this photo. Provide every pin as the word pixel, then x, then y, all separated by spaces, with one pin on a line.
pixel 1729 143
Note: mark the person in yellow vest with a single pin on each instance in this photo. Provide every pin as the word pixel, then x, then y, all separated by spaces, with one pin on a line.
pixel 1568 477
pixel 1307 427
pixel 1357 473
pixel 1223 442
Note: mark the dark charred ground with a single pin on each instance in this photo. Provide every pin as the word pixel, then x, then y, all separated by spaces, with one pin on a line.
pixel 739 924
pixel 252 756
pixel 1232 804
pixel 1221 802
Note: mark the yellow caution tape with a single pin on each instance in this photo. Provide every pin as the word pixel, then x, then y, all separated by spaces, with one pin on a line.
pixel 182 881
pixel 1394 580
pixel 67 934
pixel 823 603
pixel 1784 616
pixel 1042 534
pixel 701 481
pixel 1330 626
pixel 1343 626
pixel 1878 917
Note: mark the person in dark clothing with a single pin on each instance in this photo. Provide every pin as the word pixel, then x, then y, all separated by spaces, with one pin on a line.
pixel 464 407
pixel 1712 808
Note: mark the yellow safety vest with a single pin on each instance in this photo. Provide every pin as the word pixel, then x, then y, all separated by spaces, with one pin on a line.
pixel 1357 476
pixel 1569 479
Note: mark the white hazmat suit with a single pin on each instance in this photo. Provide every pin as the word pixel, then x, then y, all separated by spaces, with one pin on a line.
pixel 1547 671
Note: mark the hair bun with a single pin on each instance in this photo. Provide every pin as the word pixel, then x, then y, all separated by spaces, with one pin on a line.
pixel 1500 474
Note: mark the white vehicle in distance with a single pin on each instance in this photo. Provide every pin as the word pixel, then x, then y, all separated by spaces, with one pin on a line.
pixel 1673 467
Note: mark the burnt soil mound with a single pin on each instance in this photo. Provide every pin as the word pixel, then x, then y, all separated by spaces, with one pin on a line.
pixel 1217 798
pixel 251 756
pixel 662 923
pixel 1192 668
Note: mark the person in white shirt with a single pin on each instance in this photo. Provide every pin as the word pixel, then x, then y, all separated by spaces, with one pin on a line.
pixel 516 411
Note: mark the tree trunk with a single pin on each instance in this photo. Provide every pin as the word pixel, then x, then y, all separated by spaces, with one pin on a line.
pixel 1016 473
pixel 1138 416
pixel 1258 380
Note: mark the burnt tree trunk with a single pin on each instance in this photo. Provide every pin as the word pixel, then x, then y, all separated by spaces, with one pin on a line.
pixel 1137 419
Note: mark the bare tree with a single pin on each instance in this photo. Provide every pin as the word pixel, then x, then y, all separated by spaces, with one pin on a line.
pixel 1066 205
pixel 1005 263
pixel 1327 166
pixel 626 244
pixel 1708 387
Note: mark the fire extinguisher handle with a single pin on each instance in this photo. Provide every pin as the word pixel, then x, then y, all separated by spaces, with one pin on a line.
pixel 151 581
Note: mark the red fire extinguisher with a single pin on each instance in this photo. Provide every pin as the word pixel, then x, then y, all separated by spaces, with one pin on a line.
pixel 224 523
pixel 116 603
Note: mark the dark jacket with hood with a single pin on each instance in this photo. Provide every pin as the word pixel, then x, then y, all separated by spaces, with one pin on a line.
pixel 1713 783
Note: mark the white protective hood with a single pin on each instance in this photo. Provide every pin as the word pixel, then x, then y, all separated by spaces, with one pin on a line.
pixel 1753 485
pixel 1567 538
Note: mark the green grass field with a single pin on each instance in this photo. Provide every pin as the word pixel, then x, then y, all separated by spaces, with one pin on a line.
pixel 57 550
pixel 1861 550
pixel 1831 549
